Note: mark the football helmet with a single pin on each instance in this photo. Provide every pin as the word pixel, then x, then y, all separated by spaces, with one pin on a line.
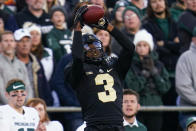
pixel 93 48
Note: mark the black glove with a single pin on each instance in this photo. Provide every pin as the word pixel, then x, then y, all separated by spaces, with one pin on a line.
pixel 78 15
pixel 148 64
pixel 101 24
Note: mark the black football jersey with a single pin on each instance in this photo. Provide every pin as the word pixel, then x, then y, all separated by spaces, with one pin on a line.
pixel 100 95
pixel 99 86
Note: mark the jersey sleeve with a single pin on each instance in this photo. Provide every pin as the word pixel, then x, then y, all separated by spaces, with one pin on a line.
pixel 125 57
pixel 77 54
pixel 4 124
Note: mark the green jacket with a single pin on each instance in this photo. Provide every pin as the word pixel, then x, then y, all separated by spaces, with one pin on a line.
pixel 149 88
pixel 60 42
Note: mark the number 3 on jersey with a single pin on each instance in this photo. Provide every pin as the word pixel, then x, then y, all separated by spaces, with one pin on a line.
pixel 103 96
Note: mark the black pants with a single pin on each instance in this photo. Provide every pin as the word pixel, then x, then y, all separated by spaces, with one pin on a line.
pixel 103 128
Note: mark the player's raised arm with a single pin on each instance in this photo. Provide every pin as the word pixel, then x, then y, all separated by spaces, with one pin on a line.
pixel 126 55
pixel 77 47
pixel 104 24
pixel 74 72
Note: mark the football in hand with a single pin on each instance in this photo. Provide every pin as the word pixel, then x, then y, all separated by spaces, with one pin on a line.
pixel 93 14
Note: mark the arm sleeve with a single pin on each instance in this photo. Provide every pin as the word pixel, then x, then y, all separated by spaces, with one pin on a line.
pixel 77 54
pixel 184 80
pixel 126 54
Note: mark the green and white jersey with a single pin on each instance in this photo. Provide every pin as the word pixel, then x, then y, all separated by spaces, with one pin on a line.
pixel 11 120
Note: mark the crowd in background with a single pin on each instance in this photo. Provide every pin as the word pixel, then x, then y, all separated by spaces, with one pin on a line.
pixel 36 40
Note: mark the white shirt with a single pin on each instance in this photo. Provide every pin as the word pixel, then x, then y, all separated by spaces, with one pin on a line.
pixel 11 120
pixel 54 126
pixel 126 123
pixel 48 64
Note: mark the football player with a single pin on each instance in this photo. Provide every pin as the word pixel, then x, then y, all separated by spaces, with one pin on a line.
pixel 97 78
pixel 14 116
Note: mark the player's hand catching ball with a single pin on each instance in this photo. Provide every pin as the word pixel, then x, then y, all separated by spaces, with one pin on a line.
pixel 78 15
pixel 101 24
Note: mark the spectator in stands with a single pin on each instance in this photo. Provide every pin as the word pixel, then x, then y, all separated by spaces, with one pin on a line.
pixel 186 24
pixel 164 31
pixel 165 34
pixel 132 23
pixel 39 84
pixel 44 54
pixel 40 106
pixel 149 78
pixel 191 124
pixel 177 9
pixel 105 38
pixel 130 108
pixel 59 38
pixel 33 13
pixel 117 12
pixel 186 81
pixel 10 66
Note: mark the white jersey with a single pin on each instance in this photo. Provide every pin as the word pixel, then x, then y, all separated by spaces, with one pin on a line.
pixel 11 120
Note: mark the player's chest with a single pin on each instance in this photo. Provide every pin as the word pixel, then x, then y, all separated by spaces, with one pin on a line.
pixel 97 76
pixel 22 123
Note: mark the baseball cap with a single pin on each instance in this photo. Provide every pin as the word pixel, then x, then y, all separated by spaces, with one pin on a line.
pixel 34 27
pixel 20 33
pixel 190 120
